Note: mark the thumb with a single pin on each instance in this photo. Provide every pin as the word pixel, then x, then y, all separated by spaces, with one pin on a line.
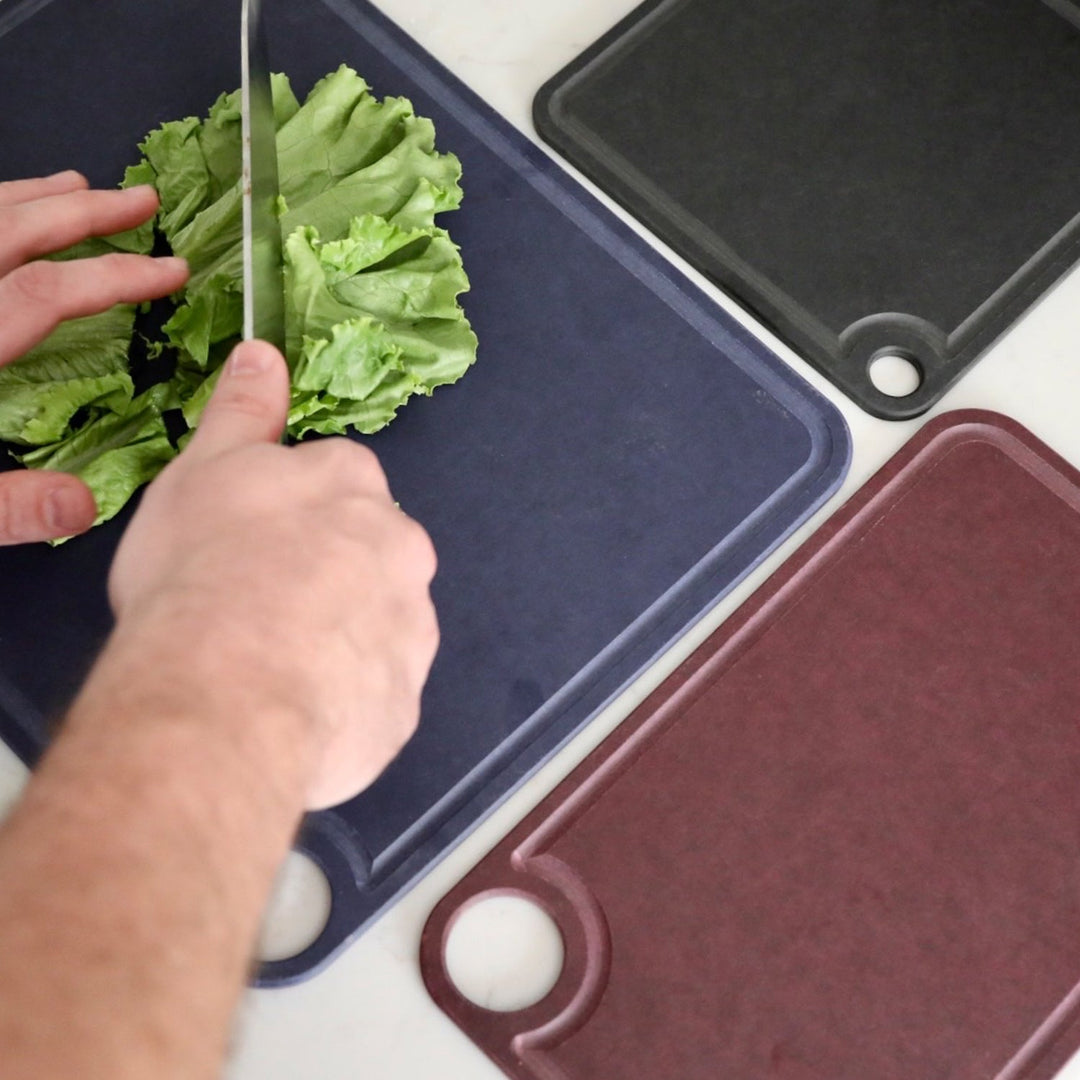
pixel 250 403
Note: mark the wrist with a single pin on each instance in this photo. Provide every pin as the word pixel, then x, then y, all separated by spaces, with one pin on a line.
pixel 170 796
pixel 170 673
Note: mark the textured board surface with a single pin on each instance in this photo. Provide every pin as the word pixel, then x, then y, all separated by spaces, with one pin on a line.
pixel 868 178
pixel 619 456
pixel 841 840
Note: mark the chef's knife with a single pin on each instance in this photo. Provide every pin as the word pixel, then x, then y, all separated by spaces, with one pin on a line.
pixel 264 287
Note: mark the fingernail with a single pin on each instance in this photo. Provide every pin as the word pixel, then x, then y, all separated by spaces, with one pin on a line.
pixel 172 262
pixel 249 359
pixel 142 189
pixel 65 509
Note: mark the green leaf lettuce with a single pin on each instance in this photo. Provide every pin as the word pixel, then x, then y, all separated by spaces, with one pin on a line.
pixel 115 453
pixel 371 287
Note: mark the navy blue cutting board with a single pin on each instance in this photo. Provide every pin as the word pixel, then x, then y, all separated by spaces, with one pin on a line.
pixel 619 456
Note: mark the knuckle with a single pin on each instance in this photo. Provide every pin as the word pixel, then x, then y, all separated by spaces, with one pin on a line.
pixel 410 725
pixel 35 283
pixel 348 461
pixel 362 460
pixel 115 265
pixel 340 453
pixel 429 632
pixel 408 720
pixel 419 548
pixel 83 206
pixel 367 459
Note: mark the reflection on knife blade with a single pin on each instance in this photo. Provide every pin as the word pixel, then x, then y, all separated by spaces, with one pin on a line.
pixel 264 299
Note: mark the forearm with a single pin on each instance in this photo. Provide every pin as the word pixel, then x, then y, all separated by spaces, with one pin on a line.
pixel 134 872
pixel 274 631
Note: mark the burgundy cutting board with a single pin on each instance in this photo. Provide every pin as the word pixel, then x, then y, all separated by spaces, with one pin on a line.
pixel 843 839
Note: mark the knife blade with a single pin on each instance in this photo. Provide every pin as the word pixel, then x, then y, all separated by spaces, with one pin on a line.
pixel 264 286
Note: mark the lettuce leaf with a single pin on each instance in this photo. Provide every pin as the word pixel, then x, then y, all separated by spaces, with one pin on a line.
pixel 82 364
pixel 116 452
pixel 372 287
pixel 342 155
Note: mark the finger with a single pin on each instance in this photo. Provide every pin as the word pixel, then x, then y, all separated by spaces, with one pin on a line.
pixel 39 505
pixel 19 191
pixel 36 297
pixel 36 228
pixel 249 405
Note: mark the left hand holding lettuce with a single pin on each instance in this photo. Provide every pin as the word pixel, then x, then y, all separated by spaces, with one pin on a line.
pixel 372 288
pixel 81 367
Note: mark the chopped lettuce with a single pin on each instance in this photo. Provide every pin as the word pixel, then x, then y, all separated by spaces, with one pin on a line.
pixel 115 453
pixel 81 365
pixel 371 283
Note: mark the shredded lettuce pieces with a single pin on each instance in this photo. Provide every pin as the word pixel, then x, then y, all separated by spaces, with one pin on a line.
pixel 371 287
pixel 115 453
pixel 81 365
pixel 372 284
pixel 376 320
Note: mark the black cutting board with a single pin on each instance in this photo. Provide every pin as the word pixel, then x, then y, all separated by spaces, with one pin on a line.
pixel 869 178
pixel 618 457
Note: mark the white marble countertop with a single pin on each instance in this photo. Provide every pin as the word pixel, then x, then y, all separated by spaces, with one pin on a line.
pixel 368 1013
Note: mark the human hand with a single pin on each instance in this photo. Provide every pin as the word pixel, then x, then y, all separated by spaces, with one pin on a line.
pixel 38 217
pixel 286 581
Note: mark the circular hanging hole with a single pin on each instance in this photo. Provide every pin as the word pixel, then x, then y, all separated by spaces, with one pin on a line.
pixel 504 953
pixel 895 375
pixel 298 910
